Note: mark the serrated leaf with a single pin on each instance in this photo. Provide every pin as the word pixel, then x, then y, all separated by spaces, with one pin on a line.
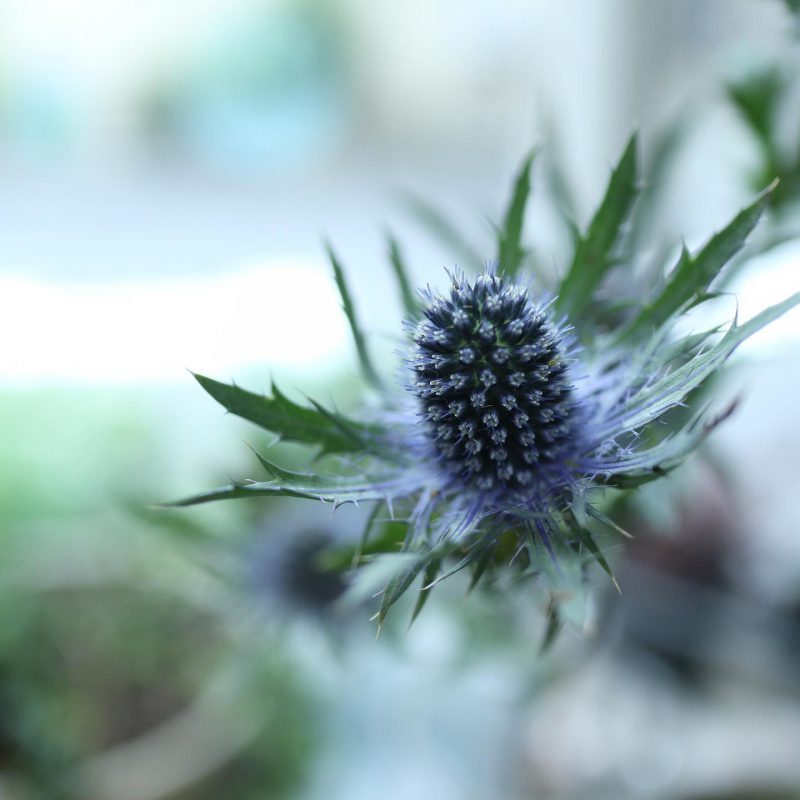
pixel 667 454
pixel 409 300
pixel 510 252
pixel 336 489
pixel 449 540
pixel 658 396
pixel 593 252
pixel 368 437
pixel 292 422
pixel 364 358
pixel 691 278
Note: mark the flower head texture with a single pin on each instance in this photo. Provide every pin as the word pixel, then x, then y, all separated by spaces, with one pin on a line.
pixel 493 384
pixel 520 408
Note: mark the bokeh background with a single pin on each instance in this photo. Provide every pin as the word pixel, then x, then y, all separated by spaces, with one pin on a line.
pixel 167 174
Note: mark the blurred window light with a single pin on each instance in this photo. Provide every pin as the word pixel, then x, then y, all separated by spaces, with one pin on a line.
pixel 768 280
pixel 248 87
pixel 284 316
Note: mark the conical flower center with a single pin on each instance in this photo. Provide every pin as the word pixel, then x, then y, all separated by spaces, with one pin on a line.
pixel 492 383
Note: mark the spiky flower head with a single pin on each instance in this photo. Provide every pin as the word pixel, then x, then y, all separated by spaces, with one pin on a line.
pixel 521 411
pixel 492 379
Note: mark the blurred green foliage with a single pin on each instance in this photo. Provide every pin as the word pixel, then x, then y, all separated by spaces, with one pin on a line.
pixel 114 635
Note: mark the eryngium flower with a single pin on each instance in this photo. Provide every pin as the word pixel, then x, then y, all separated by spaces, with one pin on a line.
pixel 492 379
pixel 519 410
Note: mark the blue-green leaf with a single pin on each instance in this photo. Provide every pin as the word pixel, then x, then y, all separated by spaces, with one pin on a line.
pixel 756 97
pixel 336 489
pixel 428 580
pixel 686 346
pixel 587 540
pixel 372 576
pixel 360 341
pixel 593 251
pixel 510 252
pixel 670 452
pixel 451 537
pixel 292 422
pixel 410 302
pixel 607 521
pixel 691 278
pixel 481 564
pixel 398 584
pixel 657 397
pixel 369 438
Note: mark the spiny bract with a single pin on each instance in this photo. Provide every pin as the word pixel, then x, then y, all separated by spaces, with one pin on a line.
pixel 492 383
pixel 514 424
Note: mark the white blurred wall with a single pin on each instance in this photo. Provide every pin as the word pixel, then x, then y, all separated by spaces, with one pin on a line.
pixel 143 141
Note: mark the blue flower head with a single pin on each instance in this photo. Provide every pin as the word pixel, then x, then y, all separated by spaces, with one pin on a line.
pixel 493 382
pixel 520 408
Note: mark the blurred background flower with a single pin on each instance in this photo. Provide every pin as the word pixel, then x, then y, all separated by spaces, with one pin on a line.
pixel 167 172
